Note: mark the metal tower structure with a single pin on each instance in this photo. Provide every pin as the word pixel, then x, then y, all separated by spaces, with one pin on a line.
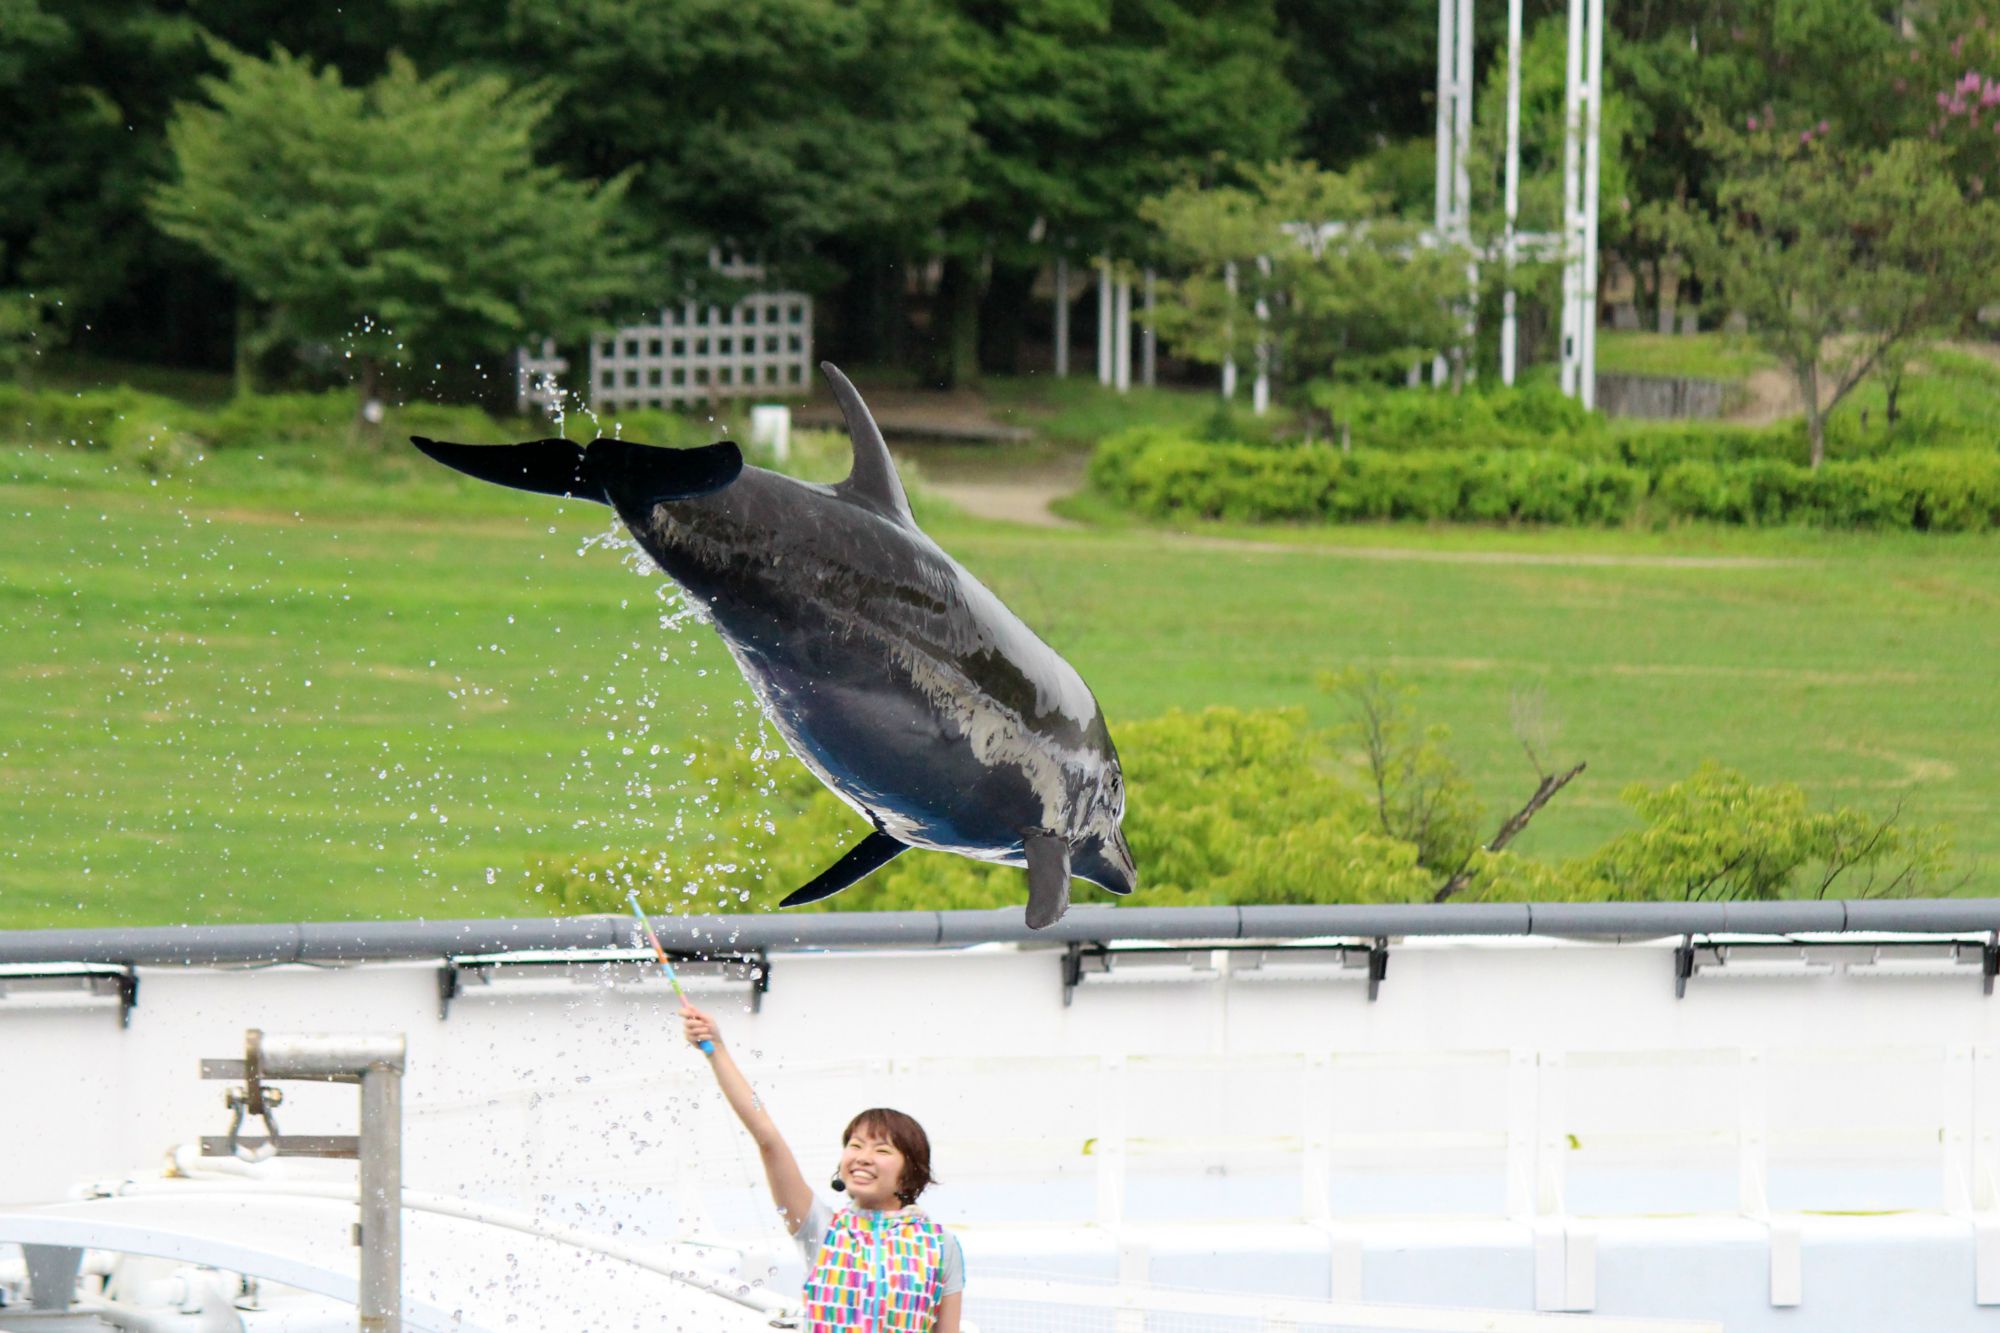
pixel 1583 82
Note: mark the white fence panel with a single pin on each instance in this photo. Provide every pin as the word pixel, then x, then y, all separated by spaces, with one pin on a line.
pixel 761 347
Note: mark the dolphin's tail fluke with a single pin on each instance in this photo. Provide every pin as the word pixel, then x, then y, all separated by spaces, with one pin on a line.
pixel 547 467
pixel 634 473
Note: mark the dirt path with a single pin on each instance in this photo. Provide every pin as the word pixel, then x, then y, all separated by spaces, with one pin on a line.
pixel 1010 502
pixel 1026 501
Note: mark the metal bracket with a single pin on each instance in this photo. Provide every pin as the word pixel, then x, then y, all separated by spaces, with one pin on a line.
pixel 1082 960
pixel 254 1098
pixel 283 1145
pixel 458 975
pixel 1844 955
pixel 1072 969
pixel 120 979
pixel 447 990
pixel 1378 967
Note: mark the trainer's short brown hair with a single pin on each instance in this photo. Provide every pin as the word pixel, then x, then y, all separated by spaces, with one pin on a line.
pixel 910 1140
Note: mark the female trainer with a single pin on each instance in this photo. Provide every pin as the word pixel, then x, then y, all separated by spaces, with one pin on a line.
pixel 879 1265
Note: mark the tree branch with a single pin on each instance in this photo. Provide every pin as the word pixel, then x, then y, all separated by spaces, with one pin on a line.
pixel 1550 784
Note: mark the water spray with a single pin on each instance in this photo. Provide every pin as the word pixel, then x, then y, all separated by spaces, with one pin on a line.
pixel 707 1047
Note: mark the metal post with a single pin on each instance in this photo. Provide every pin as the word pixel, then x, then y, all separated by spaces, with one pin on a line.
pixel 1572 224
pixel 1063 317
pixel 382 1199
pixel 1149 342
pixel 1461 182
pixel 1121 336
pixel 1104 322
pixel 1260 391
pixel 1509 328
pixel 1446 122
pixel 1587 304
pixel 1229 332
pixel 377 1064
pixel 1452 213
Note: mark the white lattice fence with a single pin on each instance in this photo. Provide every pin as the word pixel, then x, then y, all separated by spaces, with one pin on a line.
pixel 760 347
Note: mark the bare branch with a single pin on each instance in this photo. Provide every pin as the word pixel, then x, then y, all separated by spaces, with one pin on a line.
pixel 1550 784
pixel 1532 725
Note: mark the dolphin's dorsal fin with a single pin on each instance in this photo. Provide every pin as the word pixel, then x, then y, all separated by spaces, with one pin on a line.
pixel 873 482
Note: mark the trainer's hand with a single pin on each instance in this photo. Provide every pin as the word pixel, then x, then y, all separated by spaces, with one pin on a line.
pixel 699 1026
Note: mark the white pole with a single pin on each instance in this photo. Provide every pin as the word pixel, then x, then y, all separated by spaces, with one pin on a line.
pixel 1104 321
pixel 1062 316
pixel 1462 109
pixel 1229 332
pixel 1149 343
pixel 1447 49
pixel 1260 392
pixel 1462 181
pixel 1121 338
pixel 1572 224
pixel 1587 304
pixel 1509 331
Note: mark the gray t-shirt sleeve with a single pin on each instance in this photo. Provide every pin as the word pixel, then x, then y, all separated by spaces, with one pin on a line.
pixel 951 1266
pixel 813 1230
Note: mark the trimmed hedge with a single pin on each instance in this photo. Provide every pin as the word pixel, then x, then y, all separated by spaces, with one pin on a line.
pixel 1537 417
pixel 1165 476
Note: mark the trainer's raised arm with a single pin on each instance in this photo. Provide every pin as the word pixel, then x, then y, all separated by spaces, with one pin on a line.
pixel 781 1170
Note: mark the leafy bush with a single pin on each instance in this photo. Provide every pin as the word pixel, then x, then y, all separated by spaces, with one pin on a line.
pixel 91 419
pixel 1225 806
pixel 1161 475
pixel 1717 835
pixel 1526 418
pixel 1931 490
pixel 1228 806
pixel 264 420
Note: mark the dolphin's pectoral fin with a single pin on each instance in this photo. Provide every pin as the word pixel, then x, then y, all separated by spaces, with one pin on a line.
pixel 648 474
pixel 1048 877
pixel 547 467
pixel 864 858
pixel 873 481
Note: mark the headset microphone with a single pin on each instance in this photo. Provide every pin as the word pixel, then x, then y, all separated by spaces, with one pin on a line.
pixel 839 1185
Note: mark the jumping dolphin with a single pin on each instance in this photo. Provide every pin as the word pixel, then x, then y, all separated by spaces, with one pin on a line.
pixel 893 674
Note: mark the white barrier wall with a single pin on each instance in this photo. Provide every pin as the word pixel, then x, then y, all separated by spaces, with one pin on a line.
pixel 1521 1124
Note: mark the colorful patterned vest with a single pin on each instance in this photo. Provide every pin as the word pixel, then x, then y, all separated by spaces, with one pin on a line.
pixel 876 1273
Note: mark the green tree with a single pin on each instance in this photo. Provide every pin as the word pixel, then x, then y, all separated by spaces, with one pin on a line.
pixel 1346 289
pixel 1680 63
pixel 1718 836
pixel 25 322
pixel 1367 70
pixel 1080 109
pixel 765 127
pixel 1947 87
pixel 84 89
pixel 1840 259
pixel 405 219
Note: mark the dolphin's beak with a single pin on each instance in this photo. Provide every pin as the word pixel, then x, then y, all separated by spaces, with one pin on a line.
pixel 1109 864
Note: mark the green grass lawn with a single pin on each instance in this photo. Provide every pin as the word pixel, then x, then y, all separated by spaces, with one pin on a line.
pixel 274 690
pixel 1715 356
